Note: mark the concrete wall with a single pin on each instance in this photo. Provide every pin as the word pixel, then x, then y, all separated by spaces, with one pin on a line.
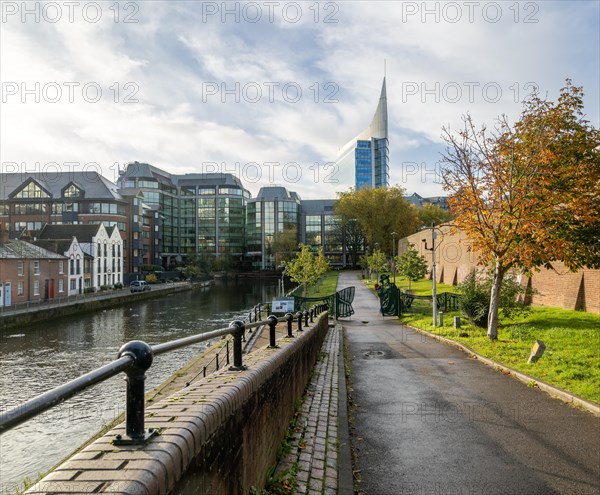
pixel 217 436
pixel 556 288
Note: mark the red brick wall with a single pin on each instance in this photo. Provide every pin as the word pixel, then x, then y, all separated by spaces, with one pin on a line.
pixel 556 288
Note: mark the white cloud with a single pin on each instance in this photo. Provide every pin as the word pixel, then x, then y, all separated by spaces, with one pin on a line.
pixel 172 53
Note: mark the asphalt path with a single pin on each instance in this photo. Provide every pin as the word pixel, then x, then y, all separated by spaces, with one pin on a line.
pixel 429 420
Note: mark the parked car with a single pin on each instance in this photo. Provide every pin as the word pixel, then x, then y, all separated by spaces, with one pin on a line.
pixel 138 286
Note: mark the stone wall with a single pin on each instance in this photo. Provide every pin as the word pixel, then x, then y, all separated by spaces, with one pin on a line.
pixel 217 436
pixel 557 287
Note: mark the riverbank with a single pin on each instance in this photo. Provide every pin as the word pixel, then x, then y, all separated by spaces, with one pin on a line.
pixel 18 316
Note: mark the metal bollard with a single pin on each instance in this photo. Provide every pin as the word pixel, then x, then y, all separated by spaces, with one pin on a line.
pixel 289 317
pixel 312 314
pixel 306 317
pixel 136 376
pixel 272 322
pixel 238 332
pixel 299 316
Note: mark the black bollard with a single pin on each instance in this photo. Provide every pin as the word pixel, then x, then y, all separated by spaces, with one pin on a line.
pixel 272 322
pixel 136 376
pixel 312 314
pixel 289 317
pixel 299 316
pixel 238 329
pixel 306 317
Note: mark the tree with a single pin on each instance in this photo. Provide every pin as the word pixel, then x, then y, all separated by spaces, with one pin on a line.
pixel 352 238
pixel 378 212
pixel 305 268
pixel 377 262
pixel 411 264
pixel 528 194
pixel 431 213
pixel 285 245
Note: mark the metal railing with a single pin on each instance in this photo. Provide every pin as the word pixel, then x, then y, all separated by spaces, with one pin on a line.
pixel 134 359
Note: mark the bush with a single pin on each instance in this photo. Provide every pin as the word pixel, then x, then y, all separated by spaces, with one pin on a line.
pixel 118 285
pixel 151 279
pixel 474 302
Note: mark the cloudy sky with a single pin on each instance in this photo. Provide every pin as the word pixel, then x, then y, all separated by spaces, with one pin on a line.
pixel 271 90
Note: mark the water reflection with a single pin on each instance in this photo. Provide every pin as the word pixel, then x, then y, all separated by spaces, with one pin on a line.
pixel 45 355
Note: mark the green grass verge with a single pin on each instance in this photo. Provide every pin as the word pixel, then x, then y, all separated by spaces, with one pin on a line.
pixel 419 288
pixel 572 338
pixel 326 286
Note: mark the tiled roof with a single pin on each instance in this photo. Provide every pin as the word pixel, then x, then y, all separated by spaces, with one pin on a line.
pixel 17 249
pixel 84 233
pixel 93 184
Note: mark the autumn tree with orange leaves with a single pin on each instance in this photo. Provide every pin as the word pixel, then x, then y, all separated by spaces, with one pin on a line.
pixel 528 194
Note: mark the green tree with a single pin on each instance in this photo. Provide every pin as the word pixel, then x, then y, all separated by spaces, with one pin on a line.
pixel 527 194
pixel 306 268
pixel 285 245
pixel 411 265
pixel 377 262
pixel 431 213
pixel 378 212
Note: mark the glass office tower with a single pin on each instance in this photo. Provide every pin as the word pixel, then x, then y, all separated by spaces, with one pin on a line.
pixel 368 153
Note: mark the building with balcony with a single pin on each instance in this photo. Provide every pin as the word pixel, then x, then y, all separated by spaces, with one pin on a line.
pixel 192 214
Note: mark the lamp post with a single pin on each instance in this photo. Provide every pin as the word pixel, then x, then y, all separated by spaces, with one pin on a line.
pixel 433 279
pixel 394 234
pixel 376 261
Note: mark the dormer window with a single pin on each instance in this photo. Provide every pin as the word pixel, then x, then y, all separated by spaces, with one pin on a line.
pixel 32 190
pixel 72 191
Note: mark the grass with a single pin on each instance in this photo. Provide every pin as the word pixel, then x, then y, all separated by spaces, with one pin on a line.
pixel 326 286
pixel 571 360
pixel 419 288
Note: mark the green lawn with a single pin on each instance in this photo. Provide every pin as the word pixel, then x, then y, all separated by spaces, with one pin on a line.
pixel 326 286
pixel 419 288
pixel 572 338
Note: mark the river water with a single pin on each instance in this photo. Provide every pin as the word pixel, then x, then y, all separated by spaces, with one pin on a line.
pixel 45 355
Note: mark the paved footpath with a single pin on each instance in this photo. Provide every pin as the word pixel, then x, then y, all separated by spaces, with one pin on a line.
pixel 320 450
pixel 429 420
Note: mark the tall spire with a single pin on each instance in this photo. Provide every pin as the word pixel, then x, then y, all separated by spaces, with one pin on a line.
pixel 379 125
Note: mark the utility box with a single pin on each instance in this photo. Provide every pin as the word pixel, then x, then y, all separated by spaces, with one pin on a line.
pixel 457 322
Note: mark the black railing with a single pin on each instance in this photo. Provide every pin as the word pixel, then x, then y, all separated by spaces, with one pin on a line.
pixel 134 359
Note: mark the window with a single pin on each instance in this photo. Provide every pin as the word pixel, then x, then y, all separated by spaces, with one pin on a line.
pixel 36 288
pixel 73 285
pixel 72 267
pixel 32 190
pixel 72 192
pixel 36 267
pixel 20 268
pixel 61 285
pixel 78 266
pixel 20 288
pixel 61 267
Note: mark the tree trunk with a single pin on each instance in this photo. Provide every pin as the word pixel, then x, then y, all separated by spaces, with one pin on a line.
pixel 492 328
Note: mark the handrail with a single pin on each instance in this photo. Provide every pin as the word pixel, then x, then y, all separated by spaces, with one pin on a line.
pixel 45 401
pixel 135 358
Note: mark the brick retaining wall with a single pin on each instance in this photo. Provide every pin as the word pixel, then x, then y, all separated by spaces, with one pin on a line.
pixel 556 288
pixel 218 436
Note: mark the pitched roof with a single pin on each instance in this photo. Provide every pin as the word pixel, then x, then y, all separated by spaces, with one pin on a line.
pixel 84 233
pixel 17 249
pixel 93 184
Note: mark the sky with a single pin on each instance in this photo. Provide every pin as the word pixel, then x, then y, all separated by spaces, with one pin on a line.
pixel 271 90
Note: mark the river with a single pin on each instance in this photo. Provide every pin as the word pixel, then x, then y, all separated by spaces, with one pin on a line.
pixel 45 355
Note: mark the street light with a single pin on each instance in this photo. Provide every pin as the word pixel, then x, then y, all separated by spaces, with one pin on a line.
pixel 433 279
pixel 394 234
pixel 376 261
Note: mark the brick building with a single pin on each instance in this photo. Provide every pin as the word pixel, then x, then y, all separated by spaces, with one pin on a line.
pixel 30 273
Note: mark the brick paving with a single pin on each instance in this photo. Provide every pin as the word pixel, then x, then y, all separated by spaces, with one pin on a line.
pixel 314 457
